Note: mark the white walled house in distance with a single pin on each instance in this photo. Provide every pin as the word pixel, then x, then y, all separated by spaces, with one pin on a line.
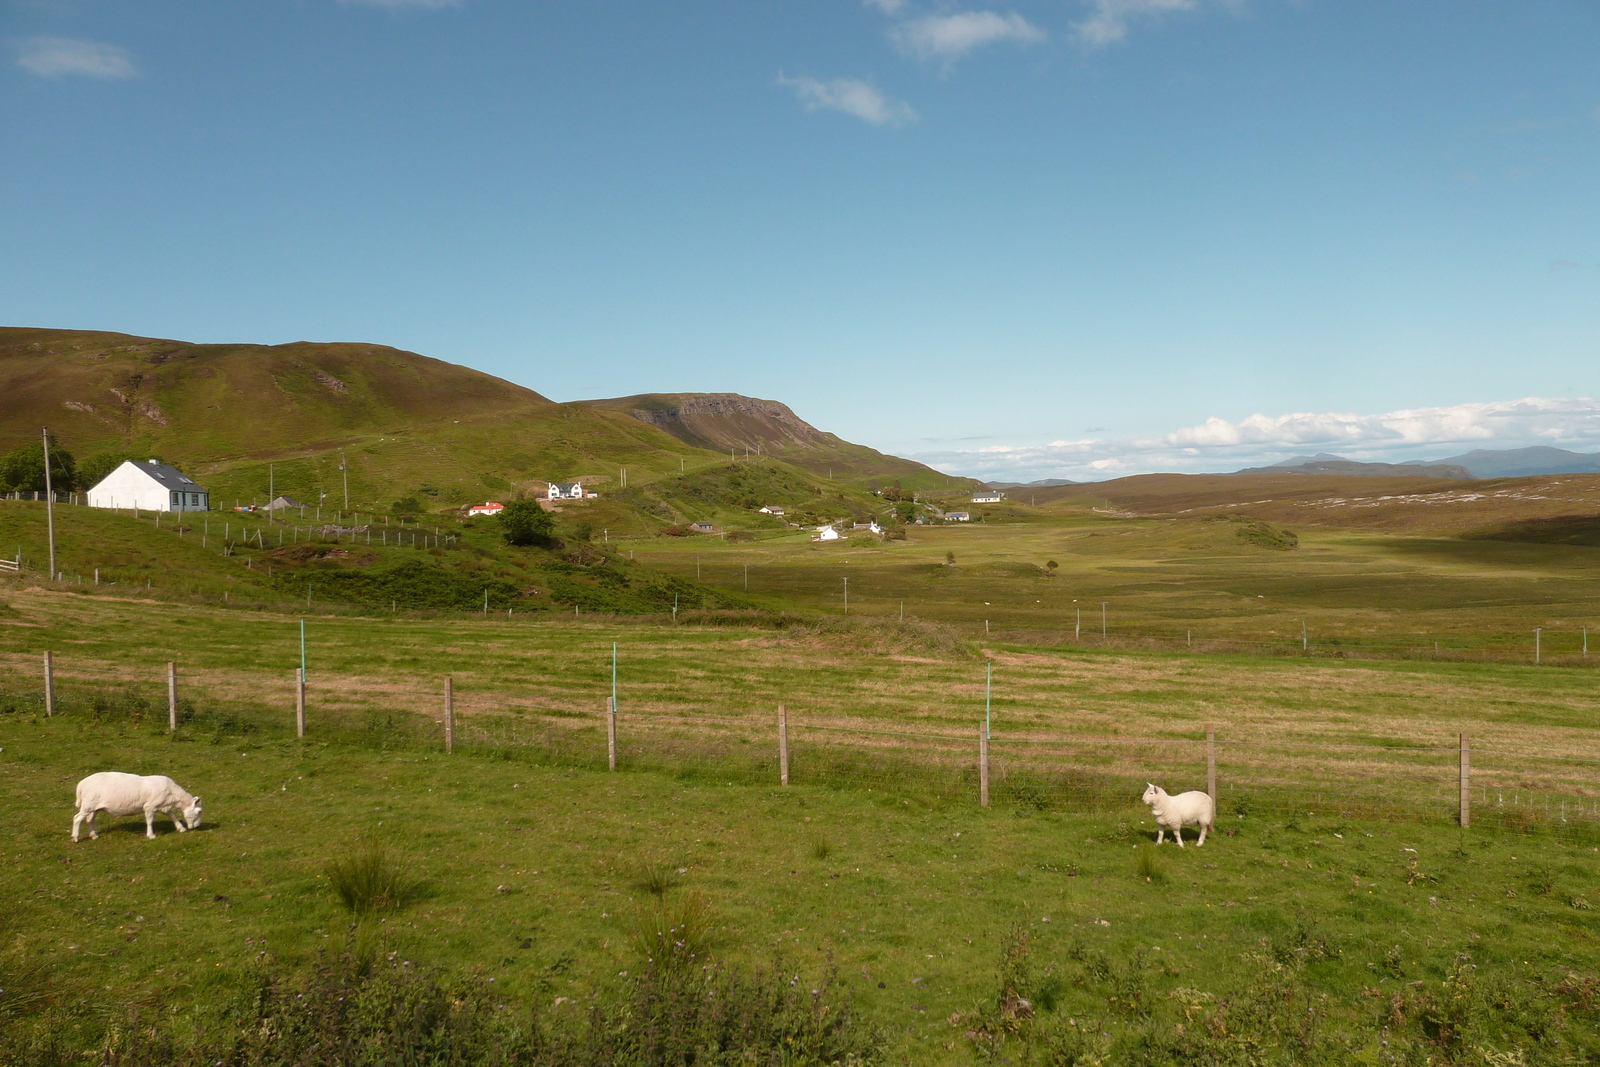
pixel 493 507
pixel 570 491
pixel 827 533
pixel 149 486
pixel 988 496
pixel 956 516
pixel 770 510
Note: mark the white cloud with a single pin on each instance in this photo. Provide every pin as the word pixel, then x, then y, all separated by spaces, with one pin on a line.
pixel 1108 19
pixel 851 96
pixel 950 37
pixel 56 57
pixel 1218 444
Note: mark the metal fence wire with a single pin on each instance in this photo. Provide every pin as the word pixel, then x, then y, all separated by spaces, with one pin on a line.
pixel 1490 787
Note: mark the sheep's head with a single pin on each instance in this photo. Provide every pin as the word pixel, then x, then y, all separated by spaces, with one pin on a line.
pixel 1152 793
pixel 192 813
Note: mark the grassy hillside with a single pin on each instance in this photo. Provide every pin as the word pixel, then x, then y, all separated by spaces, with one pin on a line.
pixel 727 422
pixel 245 418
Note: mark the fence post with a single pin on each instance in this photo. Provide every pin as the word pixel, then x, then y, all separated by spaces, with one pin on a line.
pixel 49 684
pixel 172 695
pixel 783 744
pixel 611 733
pixel 983 769
pixel 1466 784
pixel 449 713
pixel 1211 766
pixel 300 702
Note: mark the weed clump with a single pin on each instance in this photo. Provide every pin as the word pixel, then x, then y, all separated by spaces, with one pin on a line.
pixel 656 878
pixel 673 935
pixel 821 848
pixel 368 881
pixel 1149 865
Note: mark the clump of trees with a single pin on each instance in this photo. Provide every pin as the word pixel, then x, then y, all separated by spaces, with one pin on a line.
pixel 22 470
pixel 525 523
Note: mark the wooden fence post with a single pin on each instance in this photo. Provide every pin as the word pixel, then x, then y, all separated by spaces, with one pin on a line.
pixel 172 695
pixel 983 769
pixel 49 684
pixel 1211 766
pixel 449 714
pixel 299 701
pixel 1466 784
pixel 611 733
pixel 783 744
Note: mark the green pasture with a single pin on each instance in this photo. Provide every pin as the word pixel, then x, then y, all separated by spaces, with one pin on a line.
pixel 532 876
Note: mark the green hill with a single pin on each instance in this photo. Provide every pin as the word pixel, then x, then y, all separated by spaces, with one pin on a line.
pixel 243 418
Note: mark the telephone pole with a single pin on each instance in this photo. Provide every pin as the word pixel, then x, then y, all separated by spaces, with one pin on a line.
pixel 49 504
pixel 344 469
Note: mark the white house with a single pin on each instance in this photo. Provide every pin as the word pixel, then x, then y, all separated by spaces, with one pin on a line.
pixel 770 510
pixel 988 496
pixel 567 491
pixel 493 507
pixel 826 533
pixel 873 526
pixel 702 527
pixel 956 516
pixel 149 486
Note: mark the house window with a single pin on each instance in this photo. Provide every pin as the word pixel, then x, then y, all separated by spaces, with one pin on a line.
pixel 177 498
pixel 194 498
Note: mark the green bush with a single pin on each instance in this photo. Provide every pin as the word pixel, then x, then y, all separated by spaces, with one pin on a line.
pixel 368 881
pixel 525 523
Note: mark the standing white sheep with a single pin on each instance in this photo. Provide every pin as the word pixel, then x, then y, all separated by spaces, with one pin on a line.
pixel 1174 813
pixel 129 794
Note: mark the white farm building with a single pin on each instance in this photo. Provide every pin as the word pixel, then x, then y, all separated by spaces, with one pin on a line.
pixel 149 486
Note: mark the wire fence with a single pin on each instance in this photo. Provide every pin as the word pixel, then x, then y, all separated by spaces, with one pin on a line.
pixel 1482 787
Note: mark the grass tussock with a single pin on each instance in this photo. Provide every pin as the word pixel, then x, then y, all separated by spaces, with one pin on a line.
pixel 1148 865
pixel 674 933
pixel 821 848
pixel 655 879
pixel 368 880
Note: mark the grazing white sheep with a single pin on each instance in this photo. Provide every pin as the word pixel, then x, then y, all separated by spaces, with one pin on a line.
pixel 1174 813
pixel 129 794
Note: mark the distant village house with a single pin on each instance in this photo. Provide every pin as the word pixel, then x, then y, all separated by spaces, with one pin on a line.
pixel 988 496
pixel 149 486
pixel 493 507
pixel 702 527
pixel 957 516
pixel 281 502
pixel 826 533
pixel 770 510
pixel 570 491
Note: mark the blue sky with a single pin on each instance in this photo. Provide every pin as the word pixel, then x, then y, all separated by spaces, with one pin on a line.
pixel 1075 238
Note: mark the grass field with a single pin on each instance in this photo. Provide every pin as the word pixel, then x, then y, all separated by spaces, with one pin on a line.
pixel 531 876
pixel 1337 896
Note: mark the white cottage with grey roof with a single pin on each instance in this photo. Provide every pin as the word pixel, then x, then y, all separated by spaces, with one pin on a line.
pixel 149 486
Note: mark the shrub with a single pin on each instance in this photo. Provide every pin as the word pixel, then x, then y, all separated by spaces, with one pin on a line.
pixel 368 881
pixel 525 523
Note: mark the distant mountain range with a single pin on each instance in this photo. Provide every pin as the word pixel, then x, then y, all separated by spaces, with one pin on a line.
pixel 1479 463
pixel 1043 483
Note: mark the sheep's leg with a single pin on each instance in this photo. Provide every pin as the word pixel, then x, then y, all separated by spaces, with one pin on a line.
pixel 150 823
pixel 1203 828
pixel 176 815
pixel 1177 832
pixel 1161 833
pixel 94 835
pixel 77 821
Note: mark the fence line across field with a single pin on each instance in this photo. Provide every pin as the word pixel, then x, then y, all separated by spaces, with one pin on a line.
pixel 1507 787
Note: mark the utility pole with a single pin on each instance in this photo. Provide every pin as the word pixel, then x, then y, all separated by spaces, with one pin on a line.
pixel 847 596
pixel 747 577
pixel 1304 640
pixel 344 469
pixel 271 487
pixel 1537 632
pixel 1102 618
pixel 49 504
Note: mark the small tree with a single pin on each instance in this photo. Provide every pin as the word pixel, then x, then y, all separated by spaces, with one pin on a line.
pixel 949 559
pixel 1051 566
pixel 23 470
pixel 524 522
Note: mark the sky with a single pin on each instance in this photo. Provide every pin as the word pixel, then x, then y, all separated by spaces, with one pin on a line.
pixel 1042 239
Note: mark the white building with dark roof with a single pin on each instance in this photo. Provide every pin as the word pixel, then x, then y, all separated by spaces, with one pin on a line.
pixel 149 486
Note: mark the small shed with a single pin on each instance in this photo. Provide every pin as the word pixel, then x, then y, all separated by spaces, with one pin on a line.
pixel 149 486
pixel 281 502
pixel 771 510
